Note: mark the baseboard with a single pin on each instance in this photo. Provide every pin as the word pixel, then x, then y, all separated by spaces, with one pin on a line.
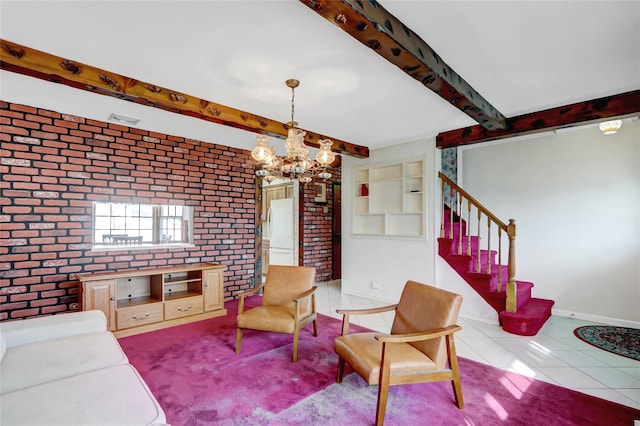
pixel 370 296
pixel 595 318
pixel 493 320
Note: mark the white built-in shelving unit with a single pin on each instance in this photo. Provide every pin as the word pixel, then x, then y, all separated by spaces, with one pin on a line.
pixel 389 200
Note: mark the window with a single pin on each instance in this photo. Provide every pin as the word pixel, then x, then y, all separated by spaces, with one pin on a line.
pixel 171 223
pixel 140 225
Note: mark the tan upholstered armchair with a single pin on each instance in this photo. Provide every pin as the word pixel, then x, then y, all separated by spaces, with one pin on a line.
pixel 288 304
pixel 419 349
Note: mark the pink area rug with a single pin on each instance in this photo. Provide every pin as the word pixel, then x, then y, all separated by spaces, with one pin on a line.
pixel 199 380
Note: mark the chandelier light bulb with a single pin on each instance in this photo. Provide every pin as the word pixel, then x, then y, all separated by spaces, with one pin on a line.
pixel 261 153
pixel 325 156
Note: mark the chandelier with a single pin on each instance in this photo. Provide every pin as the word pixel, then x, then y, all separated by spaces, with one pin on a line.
pixel 610 127
pixel 296 164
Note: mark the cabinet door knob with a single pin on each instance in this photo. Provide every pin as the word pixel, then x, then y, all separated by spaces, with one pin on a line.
pixel 113 298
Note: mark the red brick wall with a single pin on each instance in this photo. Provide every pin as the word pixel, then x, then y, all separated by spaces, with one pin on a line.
pixel 317 227
pixel 54 166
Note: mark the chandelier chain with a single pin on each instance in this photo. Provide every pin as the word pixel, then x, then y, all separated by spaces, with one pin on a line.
pixel 293 95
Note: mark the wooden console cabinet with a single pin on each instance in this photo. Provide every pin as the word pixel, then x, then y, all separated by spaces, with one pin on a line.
pixel 137 301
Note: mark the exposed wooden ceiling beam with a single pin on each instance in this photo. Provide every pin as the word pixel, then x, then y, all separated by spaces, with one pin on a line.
pixel 621 105
pixel 35 63
pixel 375 27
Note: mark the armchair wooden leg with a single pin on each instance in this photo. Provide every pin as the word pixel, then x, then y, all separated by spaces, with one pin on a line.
pixel 315 327
pixel 457 392
pixel 457 384
pixel 453 364
pixel 383 393
pixel 383 385
pixel 340 372
pixel 238 340
pixel 295 345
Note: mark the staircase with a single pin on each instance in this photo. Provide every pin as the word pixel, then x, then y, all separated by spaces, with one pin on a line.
pixel 479 262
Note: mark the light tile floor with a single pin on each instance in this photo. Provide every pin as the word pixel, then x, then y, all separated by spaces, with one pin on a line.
pixel 555 355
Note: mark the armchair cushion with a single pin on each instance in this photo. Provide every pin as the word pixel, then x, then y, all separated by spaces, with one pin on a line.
pixel 362 352
pixel 274 318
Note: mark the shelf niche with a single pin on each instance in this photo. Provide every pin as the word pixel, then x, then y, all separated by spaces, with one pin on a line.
pixel 389 200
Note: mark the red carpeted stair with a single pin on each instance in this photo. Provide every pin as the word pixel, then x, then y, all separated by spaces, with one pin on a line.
pixel 531 313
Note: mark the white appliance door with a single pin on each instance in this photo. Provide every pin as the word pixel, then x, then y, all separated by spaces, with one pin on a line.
pixel 281 236
pixel 281 257
pixel 281 223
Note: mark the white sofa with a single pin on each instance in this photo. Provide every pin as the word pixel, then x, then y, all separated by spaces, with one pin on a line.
pixel 68 370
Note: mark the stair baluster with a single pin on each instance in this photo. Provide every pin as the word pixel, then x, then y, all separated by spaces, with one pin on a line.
pixel 443 210
pixel 467 228
pixel 478 269
pixel 460 223
pixel 499 260
pixel 451 212
pixel 488 245
pixel 512 290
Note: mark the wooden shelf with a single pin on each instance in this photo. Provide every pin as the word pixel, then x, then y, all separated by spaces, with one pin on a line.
pixel 181 280
pixel 136 301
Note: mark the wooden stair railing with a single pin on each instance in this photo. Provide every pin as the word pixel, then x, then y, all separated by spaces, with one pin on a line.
pixel 458 199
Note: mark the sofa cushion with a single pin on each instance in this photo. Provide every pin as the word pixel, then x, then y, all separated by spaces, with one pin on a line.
pixel 115 395
pixel 46 361
pixel 31 330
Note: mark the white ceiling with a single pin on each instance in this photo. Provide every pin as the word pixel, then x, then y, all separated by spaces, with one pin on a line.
pixel 521 56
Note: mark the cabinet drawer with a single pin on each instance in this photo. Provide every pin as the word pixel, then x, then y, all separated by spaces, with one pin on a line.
pixel 183 307
pixel 139 315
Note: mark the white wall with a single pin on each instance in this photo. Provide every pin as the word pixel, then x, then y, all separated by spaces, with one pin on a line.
pixel 576 200
pixel 389 261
